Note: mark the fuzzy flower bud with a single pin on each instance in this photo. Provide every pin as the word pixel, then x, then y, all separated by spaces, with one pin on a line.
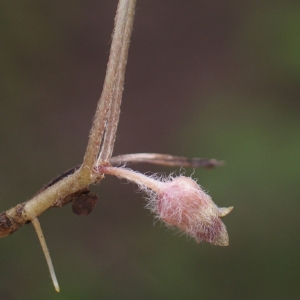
pixel 180 202
pixel 184 204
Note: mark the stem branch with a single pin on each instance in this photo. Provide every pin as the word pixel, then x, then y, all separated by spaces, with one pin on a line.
pixel 113 84
pixel 114 112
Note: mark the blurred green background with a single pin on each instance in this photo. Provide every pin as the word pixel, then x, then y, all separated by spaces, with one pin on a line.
pixel 215 79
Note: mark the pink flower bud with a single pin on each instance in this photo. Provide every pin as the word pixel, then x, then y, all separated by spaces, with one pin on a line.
pixel 182 203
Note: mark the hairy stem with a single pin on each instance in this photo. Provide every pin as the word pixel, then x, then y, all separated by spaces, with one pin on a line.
pixel 124 12
pixel 136 177
pixel 114 112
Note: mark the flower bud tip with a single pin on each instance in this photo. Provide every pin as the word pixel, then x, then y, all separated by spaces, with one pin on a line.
pixel 224 211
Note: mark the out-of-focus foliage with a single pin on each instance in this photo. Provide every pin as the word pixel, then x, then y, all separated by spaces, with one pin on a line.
pixel 205 78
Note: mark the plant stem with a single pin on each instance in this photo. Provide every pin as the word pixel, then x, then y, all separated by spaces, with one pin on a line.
pixel 114 78
pixel 114 112
pixel 15 217
pixel 136 177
